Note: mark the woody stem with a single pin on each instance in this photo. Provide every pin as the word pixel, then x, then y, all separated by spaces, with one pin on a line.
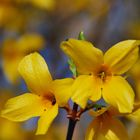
pixel 72 122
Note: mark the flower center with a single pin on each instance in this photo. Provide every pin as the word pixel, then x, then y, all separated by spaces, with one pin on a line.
pixel 48 100
pixel 104 72
pixel 102 75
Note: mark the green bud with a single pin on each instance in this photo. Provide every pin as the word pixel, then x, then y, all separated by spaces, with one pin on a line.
pixel 81 36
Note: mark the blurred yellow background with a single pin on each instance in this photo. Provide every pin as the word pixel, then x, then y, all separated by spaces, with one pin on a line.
pixel 40 25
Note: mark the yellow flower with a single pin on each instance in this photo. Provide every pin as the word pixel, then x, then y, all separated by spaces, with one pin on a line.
pixel 101 74
pixel 14 50
pixel 45 95
pixel 105 126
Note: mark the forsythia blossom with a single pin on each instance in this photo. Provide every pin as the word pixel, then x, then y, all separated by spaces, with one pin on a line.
pixel 100 74
pixel 45 97
pixel 106 125
pixel 14 50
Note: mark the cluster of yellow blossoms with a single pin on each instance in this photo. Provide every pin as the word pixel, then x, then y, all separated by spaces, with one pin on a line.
pixel 99 76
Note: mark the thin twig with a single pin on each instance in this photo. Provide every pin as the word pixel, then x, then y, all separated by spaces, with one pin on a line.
pixel 72 122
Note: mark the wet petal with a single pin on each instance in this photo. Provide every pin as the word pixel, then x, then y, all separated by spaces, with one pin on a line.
pixel 23 107
pixel 46 119
pixel 85 87
pixel 34 70
pixel 122 56
pixel 62 90
pixel 85 56
pixel 118 93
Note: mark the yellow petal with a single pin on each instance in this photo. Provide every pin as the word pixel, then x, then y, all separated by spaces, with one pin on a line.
pixel 135 115
pixel 10 60
pixel 85 56
pixel 62 90
pixel 10 68
pixel 34 70
pixel 46 119
pixel 85 87
pixel 94 131
pixel 135 70
pixel 100 129
pixel 122 56
pixel 98 112
pixel 118 93
pixel 23 107
pixel 113 129
pixel 109 109
pixel 29 42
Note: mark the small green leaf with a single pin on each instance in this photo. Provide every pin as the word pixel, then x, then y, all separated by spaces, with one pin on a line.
pixel 72 67
pixel 81 36
pixel 70 61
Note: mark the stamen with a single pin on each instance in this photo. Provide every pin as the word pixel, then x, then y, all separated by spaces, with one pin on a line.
pixel 103 75
pixel 103 72
pixel 49 98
